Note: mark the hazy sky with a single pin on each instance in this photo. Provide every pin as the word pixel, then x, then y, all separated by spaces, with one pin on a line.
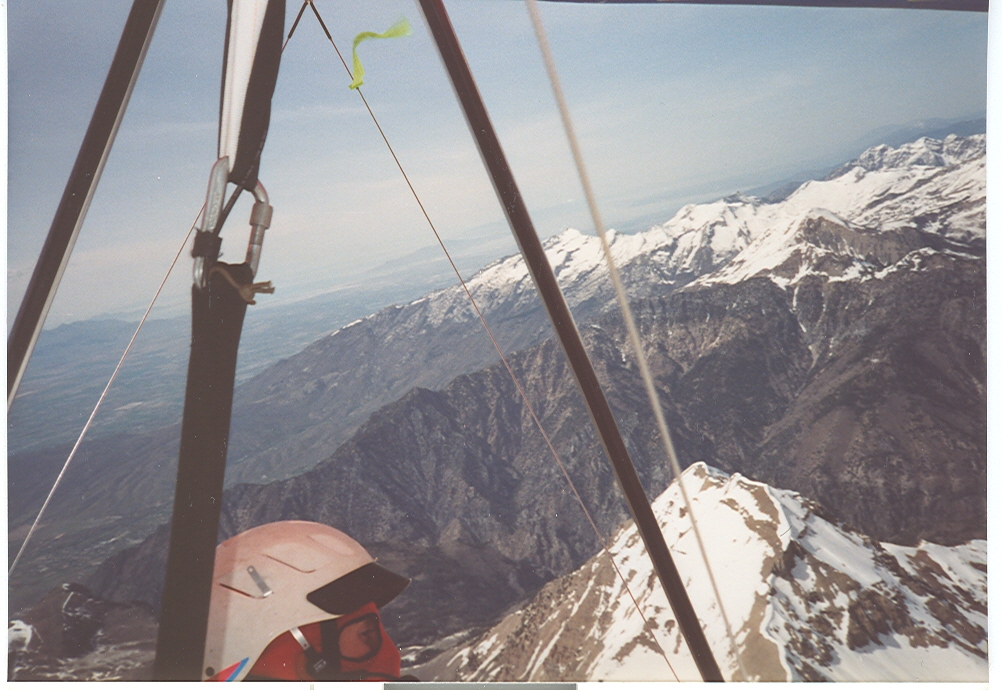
pixel 673 104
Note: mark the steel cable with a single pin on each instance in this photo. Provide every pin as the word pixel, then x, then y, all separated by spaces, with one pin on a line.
pixel 626 311
pixel 497 347
pixel 100 400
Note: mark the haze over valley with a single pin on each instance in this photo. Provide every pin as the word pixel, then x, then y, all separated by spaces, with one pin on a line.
pixel 828 340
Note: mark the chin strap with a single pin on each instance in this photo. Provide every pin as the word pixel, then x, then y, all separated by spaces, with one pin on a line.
pixel 315 663
pixel 321 669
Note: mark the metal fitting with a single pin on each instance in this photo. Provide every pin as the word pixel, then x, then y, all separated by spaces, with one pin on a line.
pixel 213 207
pixel 260 220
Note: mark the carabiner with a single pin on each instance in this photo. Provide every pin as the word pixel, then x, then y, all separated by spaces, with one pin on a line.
pixel 218 178
pixel 207 240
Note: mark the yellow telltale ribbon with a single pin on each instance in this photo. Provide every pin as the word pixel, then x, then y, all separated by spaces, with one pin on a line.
pixel 401 28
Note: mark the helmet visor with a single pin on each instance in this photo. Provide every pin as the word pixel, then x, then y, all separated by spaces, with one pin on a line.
pixel 372 582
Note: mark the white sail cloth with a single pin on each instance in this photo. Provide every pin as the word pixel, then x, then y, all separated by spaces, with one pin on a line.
pixel 253 50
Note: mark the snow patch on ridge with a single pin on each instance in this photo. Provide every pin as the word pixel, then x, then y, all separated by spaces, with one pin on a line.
pixel 806 599
pixel 925 151
pixel 929 185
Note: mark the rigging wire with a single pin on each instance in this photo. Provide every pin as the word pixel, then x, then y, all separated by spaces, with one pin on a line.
pixel 86 427
pixel 295 24
pixel 627 313
pixel 497 347
pixel 100 400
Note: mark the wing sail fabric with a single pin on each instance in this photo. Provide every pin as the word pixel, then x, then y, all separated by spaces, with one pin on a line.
pixel 253 50
pixel 218 303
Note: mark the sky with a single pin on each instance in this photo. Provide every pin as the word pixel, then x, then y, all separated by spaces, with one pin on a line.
pixel 673 104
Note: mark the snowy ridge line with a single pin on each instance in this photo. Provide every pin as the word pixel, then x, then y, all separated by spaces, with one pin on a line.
pixel 925 151
pixel 932 186
pixel 813 601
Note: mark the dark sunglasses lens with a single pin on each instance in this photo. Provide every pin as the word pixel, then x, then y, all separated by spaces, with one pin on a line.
pixel 360 639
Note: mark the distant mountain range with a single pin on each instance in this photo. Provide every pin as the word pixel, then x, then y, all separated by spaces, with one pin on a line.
pixel 831 343
pixel 72 362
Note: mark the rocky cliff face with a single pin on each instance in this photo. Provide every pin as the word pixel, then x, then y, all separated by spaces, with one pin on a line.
pixel 806 599
pixel 836 351
pixel 744 381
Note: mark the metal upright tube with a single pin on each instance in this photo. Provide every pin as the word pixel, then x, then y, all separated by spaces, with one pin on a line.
pixel 79 191
pixel 539 267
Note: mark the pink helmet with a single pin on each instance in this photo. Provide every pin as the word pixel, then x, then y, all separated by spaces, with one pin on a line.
pixel 279 576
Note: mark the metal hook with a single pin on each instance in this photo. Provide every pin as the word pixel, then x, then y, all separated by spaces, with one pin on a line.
pixel 218 178
pixel 260 220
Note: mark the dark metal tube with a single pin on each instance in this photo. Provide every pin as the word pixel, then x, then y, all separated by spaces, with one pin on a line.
pixel 79 191
pixel 570 339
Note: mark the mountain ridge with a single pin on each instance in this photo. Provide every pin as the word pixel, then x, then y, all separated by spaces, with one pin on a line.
pixel 807 600
pixel 729 366
pixel 730 356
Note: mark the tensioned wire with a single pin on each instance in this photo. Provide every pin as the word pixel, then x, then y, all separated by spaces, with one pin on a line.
pixel 125 354
pixel 626 311
pixel 522 393
pixel 104 393
pixel 497 347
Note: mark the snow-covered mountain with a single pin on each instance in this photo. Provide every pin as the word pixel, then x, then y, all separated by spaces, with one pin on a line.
pixel 874 208
pixel 936 187
pixel 806 598
pixel 928 185
pixel 798 342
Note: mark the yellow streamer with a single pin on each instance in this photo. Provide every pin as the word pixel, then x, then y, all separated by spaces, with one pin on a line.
pixel 401 28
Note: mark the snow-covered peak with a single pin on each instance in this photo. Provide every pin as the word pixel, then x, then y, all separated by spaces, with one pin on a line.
pixel 806 599
pixel 577 260
pixel 889 188
pixel 815 241
pixel 571 253
pixel 733 210
pixel 929 185
pixel 953 150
